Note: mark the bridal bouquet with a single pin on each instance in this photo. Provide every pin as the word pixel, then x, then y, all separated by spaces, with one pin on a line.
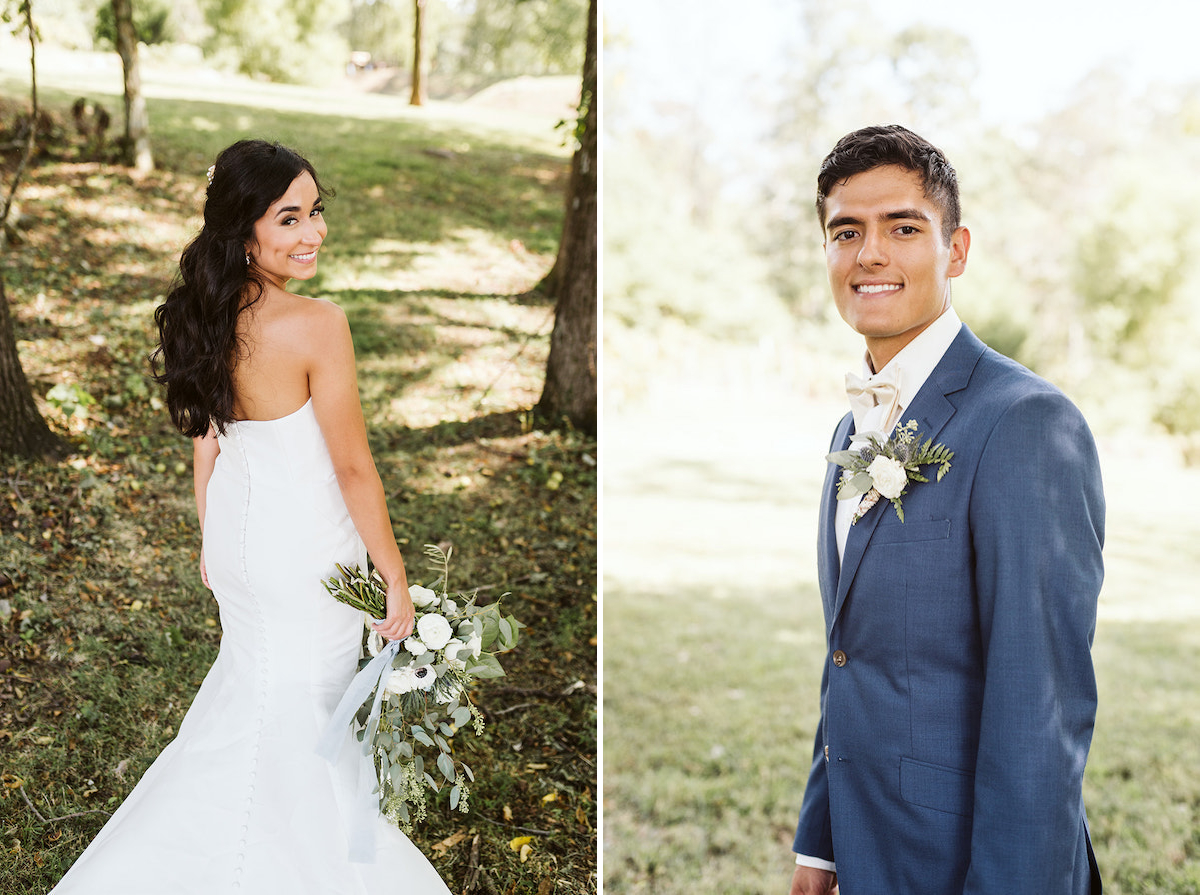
pixel 411 696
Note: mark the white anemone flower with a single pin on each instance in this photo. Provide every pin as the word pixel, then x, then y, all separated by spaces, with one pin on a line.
pixel 424 677
pixel 401 680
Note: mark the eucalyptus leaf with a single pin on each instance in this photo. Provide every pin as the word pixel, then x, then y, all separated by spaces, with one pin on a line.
pixel 455 795
pixel 462 716
pixel 433 784
pixel 446 766
pixel 842 458
pixel 421 736
pixel 486 666
pixel 467 770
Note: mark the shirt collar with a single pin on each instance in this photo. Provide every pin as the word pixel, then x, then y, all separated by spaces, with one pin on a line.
pixel 916 360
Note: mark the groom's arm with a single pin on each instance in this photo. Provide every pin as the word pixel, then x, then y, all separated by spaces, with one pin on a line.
pixel 1037 523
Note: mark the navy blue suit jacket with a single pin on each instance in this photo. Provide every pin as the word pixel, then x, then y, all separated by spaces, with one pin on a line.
pixel 957 717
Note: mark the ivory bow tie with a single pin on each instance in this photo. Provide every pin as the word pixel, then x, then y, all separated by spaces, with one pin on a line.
pixel 882 390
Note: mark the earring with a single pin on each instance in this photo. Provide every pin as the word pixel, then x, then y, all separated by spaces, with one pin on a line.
pixel 247 259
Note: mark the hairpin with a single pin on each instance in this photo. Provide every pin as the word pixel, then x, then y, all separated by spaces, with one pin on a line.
pixel 212 169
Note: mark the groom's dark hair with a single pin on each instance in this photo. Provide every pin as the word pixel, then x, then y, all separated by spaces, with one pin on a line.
pixel 890 144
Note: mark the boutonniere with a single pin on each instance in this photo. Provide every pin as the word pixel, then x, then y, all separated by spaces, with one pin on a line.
pixel 876 467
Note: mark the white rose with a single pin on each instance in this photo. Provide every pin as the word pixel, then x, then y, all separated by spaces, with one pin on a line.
pixel 475 644
pixel 413 644
pixel 424 677
pixel 889 476
pixel 421 596
pixel 402 680
pixel 375 643
pixel 452 650
pixel 451 607
pixel 434 630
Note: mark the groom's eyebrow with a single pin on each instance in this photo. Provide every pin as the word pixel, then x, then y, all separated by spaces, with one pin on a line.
pixel 843 221
pixel 905 214
pixel 900 214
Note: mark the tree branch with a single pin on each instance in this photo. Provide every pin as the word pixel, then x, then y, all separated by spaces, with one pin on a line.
pixel 51 820
pixel 27 8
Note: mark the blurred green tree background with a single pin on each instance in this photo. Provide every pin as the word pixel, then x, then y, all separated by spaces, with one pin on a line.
pixel 469 43
pixel 1083 232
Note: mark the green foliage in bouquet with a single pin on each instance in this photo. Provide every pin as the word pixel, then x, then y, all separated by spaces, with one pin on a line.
pixel 426 691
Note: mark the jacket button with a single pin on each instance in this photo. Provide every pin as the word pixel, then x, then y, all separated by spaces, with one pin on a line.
pixel 839 658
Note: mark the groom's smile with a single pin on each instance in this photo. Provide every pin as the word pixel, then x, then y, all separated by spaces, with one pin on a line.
pixel 889 265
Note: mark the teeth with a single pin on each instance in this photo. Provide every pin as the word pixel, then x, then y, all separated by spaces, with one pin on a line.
pixel 307 257
pixel 871 290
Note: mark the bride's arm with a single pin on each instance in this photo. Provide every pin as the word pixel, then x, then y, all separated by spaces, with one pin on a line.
pixel 333 383
pixel 204 459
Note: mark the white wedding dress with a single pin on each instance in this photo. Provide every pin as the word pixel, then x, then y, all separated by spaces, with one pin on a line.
pixel 239 802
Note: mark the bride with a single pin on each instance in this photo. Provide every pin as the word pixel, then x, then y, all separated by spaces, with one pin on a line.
pixel 264 382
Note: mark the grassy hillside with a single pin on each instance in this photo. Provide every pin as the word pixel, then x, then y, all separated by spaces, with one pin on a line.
pixel 440 228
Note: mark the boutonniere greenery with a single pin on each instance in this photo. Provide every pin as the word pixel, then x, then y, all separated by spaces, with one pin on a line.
pixel 877 467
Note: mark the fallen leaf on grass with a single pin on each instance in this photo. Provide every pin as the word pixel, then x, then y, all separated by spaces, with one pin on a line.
pixel 525 850
pixel 448 843
pixel 519 842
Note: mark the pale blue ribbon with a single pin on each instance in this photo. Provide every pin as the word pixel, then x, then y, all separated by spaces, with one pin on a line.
pixel 366 805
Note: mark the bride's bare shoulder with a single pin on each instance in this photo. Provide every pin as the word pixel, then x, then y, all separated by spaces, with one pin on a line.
pixel 319 322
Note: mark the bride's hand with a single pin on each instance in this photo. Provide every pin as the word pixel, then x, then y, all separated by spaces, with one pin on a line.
pixel 400 613
pixel 204 570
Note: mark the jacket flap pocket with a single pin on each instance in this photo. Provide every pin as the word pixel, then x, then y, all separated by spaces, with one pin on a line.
pixel 937 787
pixel 908 532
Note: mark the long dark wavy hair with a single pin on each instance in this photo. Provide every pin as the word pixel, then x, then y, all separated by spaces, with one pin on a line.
pixel 197 324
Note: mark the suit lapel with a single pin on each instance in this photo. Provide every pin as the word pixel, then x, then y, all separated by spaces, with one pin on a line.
pixel 827 555
pixel 932 409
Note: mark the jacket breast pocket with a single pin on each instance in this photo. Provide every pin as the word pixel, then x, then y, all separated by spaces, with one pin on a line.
pixel 937 787
pixel 911 532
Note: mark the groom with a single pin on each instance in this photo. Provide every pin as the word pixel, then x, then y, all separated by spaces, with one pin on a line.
pixel 958 697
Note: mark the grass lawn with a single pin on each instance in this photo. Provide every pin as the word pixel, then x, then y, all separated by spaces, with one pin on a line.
pixel 439 230
pixel 714 640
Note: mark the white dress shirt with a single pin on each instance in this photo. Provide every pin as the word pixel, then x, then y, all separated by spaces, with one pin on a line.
pixel 912 366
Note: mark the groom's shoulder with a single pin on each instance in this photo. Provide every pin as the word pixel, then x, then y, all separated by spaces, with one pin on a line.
pixel 1002 376
pixel 1001 383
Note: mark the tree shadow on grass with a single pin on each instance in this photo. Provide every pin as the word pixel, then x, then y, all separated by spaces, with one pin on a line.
pixel 451 433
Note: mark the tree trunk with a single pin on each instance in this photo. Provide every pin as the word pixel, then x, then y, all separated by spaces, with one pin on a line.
pixel 137 122
pixel 418 69
pixel 23 432
pixel 570 389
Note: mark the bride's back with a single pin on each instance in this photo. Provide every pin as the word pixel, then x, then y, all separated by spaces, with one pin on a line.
pixel 277 337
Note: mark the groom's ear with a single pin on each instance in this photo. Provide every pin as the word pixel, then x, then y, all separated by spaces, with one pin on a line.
pixel 960 245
